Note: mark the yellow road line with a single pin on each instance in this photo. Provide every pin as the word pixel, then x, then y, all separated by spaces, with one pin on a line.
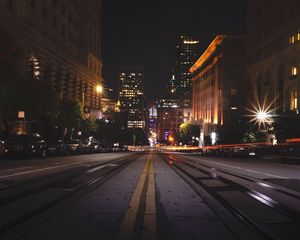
pixel 127 226
pixel 149 230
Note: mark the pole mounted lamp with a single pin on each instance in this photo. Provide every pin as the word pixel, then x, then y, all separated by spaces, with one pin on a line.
pixel 99 90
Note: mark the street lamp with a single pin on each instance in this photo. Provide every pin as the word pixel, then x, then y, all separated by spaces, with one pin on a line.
pixel 99 90
pixel 171 139
pixel 261 115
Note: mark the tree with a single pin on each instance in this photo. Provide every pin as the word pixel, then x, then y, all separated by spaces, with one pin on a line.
pixel 89 127
pixel 69 117
pixel 189 130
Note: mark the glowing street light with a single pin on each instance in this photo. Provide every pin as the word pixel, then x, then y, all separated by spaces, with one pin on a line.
pixel 171 139
pixel 262 114
pixel 99 89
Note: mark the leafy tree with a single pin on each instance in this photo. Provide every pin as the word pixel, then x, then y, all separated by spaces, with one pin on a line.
pixel 89 127
pixel 138 137
pixel 189 130
pixel 69 117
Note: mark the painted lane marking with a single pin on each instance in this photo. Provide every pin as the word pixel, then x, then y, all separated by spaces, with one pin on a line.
pixel 37 170
pixel 113 165
pixel 94 181
pixel 248 170
pixel 96 169
pixel 149 226
pixel 127 226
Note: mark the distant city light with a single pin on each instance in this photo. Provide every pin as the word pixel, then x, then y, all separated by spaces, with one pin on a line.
pixel 171 139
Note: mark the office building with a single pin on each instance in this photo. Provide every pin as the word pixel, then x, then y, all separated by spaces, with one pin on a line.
pixel 187 53
pixel 152 125
pixel 219 87
pixel 60 40
pixel 273 54
pixel 169 118
pixel 132 95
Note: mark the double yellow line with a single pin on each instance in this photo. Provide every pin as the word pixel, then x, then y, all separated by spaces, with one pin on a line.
pixel 127 226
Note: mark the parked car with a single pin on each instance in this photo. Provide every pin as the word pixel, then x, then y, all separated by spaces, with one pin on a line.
pixel 26 146
pixel 75 146
pixel 88 146
pixel 57 147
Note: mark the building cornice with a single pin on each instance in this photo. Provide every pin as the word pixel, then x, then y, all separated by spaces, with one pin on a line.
pixel 208 53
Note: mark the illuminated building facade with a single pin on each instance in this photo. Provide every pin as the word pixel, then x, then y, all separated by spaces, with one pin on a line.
pixel 273 54
pixel 170 116
pixel 218 85
pixel 60 40
pixel 187 53
pixel 152 125
pixel 132 95
pixel 171 88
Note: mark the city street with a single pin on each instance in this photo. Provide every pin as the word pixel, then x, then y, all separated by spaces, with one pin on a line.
pixel 149 195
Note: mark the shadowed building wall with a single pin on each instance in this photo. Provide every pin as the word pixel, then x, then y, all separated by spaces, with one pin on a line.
pixel 273 54
pixel 61 40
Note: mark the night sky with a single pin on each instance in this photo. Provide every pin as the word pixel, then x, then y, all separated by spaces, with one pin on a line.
pixel 144 33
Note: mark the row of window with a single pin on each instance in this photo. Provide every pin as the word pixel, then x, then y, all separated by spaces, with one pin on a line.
pixel 294 38
pixel 71 37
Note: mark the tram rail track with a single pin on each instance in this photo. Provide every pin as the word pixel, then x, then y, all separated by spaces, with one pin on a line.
pixel 184 168
pixel 77 184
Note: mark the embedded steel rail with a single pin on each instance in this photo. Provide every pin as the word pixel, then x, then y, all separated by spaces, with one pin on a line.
pixel 237 187
pixel 87 185
pixel 291 214
pixel 245 178
pixel 28 187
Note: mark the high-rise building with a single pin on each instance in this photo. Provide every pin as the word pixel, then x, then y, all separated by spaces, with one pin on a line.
pixel 60 40
pixel 132 95
pixel 187 53
pixel 171 88
pixel 219 88
pixel 169 118
pixel 273 54
pixel 152 125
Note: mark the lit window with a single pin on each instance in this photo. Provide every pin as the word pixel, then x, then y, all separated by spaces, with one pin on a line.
pixel 298 36
pixel 294 71
pixel 295 100
pixel 292 39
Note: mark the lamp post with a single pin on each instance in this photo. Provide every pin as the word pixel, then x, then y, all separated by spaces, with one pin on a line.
pixel 263 118
pixel 99 91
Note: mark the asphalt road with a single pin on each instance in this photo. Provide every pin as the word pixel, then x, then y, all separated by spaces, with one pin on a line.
pixel 149 195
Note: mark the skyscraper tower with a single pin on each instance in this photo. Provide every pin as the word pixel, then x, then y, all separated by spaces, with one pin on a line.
pixel 132 95
pixel 171 88
pixel 187 52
